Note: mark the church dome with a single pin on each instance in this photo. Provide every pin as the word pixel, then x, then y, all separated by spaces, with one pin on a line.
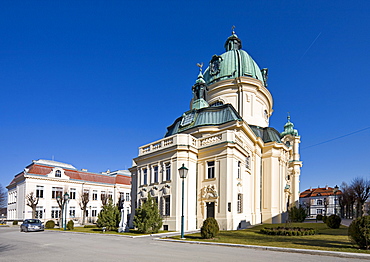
pixel 234 63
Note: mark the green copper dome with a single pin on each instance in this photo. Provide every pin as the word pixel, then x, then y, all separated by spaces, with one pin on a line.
pixel 288 129
pixel 233 63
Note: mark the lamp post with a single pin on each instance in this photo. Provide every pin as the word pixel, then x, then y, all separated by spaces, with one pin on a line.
pixel 183 172
pixel 66 198
pixel 335 198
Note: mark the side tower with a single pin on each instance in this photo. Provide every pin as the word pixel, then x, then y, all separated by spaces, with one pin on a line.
pixel 291 139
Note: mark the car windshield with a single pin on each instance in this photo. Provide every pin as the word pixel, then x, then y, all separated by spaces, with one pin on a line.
pixel 33 221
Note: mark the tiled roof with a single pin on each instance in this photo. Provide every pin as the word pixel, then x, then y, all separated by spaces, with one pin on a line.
pixel 321 191
pixel 43 170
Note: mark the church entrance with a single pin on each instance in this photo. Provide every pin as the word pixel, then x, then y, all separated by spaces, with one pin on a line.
pixel 210 209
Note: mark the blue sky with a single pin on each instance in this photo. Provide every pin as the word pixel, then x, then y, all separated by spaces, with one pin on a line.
pixel 88 82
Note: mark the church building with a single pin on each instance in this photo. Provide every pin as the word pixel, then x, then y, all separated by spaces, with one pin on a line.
pixel 240 171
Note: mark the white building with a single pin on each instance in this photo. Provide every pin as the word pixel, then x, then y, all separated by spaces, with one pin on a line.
pixel 48 179
pixel 241 171
pixel 321 201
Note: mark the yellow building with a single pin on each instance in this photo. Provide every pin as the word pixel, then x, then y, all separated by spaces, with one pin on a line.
pixel 241 171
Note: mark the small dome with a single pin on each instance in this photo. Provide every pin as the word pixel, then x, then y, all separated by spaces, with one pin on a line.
pixel 233 63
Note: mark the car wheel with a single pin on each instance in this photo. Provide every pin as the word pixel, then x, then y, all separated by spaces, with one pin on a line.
pixel 21 229
pixel 26 229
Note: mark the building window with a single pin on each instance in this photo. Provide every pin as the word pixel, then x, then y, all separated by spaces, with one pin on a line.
pixel 319 202
pixel 155 199
pixel 39 212
pixel 145 176
pixel 240 203
pixel 40 191
pixel 95 195
pixel 94 212
pixel 72 212
pixel 56 191
pixel 319 211
pixel 58 173
pixel 211 169
pixel 248 162
pixel 239 171
pixel 110 195
pixel 218 103
pixel 168 171
pixel 127 196
pixel 72 193
pixel 55 212
pixel 102 196
pixel 167 206
pixel 155 174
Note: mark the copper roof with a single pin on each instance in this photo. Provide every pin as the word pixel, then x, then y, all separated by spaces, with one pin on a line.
pixel 321 191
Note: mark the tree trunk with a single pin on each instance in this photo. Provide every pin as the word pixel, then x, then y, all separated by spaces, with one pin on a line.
pixel 83 216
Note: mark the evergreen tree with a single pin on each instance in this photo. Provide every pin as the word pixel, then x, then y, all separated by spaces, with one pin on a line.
pixel 147 218
pixel 109 216
pixel 297 214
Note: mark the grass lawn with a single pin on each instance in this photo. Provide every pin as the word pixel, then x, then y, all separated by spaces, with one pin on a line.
pixel 325 239
pixel 98 230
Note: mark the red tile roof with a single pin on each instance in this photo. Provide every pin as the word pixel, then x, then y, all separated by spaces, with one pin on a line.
pixel 76 175
pixel 321 191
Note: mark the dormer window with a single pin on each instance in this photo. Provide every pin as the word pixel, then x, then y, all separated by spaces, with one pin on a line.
pixel 58 173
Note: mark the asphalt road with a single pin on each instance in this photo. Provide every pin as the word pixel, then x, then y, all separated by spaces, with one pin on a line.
pixel 66 246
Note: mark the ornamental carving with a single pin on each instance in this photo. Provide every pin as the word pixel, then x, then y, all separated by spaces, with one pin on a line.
pixel 154 191
pixel 143 193
pixel 166 189
pixel 209 192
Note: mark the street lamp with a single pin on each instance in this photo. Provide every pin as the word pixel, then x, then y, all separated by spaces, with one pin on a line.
pixel 335 198
pixel 66 198
pixel 183 172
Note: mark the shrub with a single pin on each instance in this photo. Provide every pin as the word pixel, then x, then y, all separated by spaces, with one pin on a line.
pixel 288 231
pixel 333 221
pixel 89 226
pixel 210 228
pixel 70 225
pixel 50 224
pixel 147 218
pixel 109 217
pixel 319 217
pixel 297 214
pixel 324 219
pixel 15 223
pixel 359 232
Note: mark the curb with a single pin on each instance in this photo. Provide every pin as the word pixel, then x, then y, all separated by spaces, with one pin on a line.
pixel 279 249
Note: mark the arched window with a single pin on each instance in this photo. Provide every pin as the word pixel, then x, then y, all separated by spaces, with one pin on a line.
pixel 58 173
pixel 248 162
pixel 239 171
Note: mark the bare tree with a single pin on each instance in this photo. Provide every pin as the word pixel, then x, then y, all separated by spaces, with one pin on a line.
pixel 326 204
pixel 104 198
pixel 3 197
pixel 347 200
pixel 361 189
pixel 32 202
pixel 84 200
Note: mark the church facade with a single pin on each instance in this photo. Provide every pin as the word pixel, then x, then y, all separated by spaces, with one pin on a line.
pixel 240 171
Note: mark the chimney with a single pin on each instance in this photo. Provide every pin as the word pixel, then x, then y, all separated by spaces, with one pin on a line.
pixel 83 169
